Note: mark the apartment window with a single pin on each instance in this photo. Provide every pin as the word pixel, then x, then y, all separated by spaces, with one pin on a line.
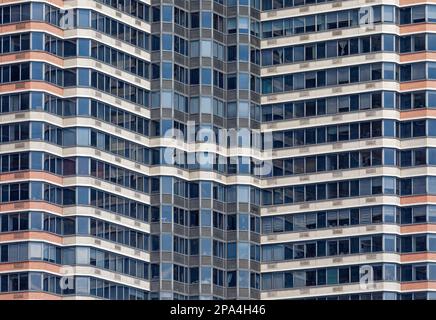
pixel 206 19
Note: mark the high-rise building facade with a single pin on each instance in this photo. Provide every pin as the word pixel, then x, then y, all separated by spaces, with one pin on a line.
pixel 227 149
